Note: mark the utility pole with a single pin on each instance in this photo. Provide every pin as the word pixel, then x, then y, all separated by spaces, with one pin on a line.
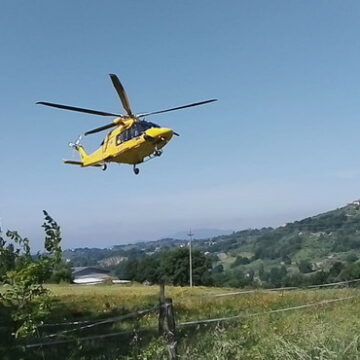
pixel 190 235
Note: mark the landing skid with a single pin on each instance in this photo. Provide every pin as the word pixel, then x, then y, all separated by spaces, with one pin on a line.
pixel 136 170
pixel 156 153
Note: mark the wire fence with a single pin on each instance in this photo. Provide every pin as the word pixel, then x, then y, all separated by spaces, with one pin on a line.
pixel 120 318
pixel 92 323
pixel 252 291
pixel 62 337
pixel 87 338
pixel 262 313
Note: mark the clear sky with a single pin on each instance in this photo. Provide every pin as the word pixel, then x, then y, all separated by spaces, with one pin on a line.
pixel 281 143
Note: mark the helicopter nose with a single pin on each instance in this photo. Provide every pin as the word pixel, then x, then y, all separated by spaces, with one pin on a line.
pixel 166 134
pixel 160 134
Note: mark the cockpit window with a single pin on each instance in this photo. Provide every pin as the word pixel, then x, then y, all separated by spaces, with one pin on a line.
pixel 136 130
pixel 144 125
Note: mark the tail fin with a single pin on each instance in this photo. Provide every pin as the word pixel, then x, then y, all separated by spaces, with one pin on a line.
pixel 81 151
pixel 79 148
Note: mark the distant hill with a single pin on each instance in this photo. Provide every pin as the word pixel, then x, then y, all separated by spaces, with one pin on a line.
pixel 201 233
pixel 320 240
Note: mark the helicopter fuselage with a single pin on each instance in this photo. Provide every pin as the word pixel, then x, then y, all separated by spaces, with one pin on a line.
pixel 129 143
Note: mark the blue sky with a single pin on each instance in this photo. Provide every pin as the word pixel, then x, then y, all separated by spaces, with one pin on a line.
pixel 280 144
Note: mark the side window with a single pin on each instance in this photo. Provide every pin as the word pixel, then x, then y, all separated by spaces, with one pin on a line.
pixel 118 140
pixel 128 134
pixel 131 132
pixel 136 130
pixel 124 136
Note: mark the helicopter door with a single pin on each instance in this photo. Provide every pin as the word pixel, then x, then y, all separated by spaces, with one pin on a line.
pixel 105 143
pixel 124 136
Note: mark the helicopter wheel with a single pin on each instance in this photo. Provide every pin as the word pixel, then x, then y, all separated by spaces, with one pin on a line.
pixel 136 170
pixel 104 167
pixel 157 152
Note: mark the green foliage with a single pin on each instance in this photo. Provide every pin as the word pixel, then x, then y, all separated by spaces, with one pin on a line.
pixel 52 238
pixel 171 267
pixel 25 298
pixel 305 266
pixel 314 244
pixel 336 269
pixel 352 258
pixel 240 261
pixel 147 269
pixel 61 272
pixel 277 276
pixel 7 257
pixel 175 267
pixel 350 271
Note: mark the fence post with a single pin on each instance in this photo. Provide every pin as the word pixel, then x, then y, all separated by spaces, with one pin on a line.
pixel 167 327
pixel 162 309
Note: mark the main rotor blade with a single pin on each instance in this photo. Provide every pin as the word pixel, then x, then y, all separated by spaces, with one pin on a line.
pixel 122 94
pixel 101 128
pixel 178 108
pixel 73 108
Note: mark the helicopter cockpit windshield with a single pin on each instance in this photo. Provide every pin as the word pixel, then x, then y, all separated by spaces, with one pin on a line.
pixel 136 130
pixel 145 125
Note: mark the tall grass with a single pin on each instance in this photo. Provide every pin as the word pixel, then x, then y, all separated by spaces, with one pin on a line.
pixel 321 332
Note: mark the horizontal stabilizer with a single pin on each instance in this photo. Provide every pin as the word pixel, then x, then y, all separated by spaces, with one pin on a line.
pixel 72 162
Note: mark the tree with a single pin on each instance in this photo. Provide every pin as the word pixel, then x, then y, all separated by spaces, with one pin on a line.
pixel 240 261
pixel 305 266
pixel 25 297
pixel 351 271
pixel 131 269
pixel 286 259
pixel 7 257
pixel 320 277
pixel 148 270
pixel 336 269
pixel 218 269
pixel 352 258
pixel 61 272
pixel 175 267
pixel 262 273
pixel 275 276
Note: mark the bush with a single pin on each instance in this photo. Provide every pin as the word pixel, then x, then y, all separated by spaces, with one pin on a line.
pixel 305 266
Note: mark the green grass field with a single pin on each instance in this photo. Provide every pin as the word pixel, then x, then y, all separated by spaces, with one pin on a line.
pixel 319 332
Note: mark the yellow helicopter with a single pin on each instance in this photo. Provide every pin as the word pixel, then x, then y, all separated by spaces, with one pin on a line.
pixel 133 140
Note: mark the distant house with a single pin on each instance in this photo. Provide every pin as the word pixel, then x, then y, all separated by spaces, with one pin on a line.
pixel 121 281
pixel 88 275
